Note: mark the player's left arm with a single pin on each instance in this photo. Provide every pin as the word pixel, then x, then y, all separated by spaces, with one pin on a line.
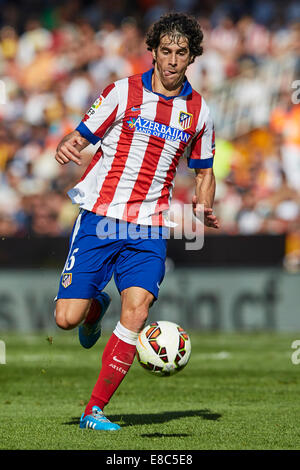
pixel 201 159
pixel 205 186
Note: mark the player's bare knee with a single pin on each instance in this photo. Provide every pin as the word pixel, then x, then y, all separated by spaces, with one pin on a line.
pixel 61 320
pixel 135 313
pixel 68 314
pixel 64 319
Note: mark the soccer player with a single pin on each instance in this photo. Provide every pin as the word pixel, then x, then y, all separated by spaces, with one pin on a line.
pixel 143 125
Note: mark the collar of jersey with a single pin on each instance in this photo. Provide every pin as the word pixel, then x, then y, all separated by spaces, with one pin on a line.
pixel 147 82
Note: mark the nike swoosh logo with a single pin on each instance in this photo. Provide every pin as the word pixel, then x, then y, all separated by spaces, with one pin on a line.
pixel 158 285
pixel 135 109
pixel 121 362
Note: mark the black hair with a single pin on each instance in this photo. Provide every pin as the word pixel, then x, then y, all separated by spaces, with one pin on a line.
pixel 176 25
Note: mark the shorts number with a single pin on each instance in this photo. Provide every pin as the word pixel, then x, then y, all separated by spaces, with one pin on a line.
pixel 71 260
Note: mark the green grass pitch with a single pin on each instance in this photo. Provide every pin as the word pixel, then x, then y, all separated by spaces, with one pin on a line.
pixel 239 391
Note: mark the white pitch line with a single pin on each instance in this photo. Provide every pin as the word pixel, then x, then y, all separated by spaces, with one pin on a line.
pixel 215 356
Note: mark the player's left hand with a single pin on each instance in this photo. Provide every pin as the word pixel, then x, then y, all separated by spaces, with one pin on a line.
pixel 205 214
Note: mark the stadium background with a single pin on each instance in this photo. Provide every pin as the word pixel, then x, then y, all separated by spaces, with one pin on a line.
pixel 57 56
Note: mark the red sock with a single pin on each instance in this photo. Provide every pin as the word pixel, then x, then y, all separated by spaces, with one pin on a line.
pixel 117 358
pixel 94 312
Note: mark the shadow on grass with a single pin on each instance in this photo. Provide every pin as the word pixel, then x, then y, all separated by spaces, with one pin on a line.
pixel 160 434
pixel 155 418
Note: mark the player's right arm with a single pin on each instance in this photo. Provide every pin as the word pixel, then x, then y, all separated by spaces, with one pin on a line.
pixel 69 148
pixel 91 129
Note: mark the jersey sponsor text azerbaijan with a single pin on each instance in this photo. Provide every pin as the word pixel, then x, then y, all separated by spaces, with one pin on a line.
pixel 142 136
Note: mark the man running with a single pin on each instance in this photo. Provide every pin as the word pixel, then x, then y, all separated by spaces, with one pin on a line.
pixel 144 124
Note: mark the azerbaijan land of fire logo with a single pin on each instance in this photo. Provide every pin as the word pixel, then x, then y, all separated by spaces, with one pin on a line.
pixel 131 123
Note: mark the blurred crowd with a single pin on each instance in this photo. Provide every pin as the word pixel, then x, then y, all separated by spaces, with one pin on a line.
pixel 57 56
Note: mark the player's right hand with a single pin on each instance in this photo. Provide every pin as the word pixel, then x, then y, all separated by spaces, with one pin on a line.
pixel 67 151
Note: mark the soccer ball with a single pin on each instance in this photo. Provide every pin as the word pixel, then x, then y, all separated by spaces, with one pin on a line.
pixel 163 348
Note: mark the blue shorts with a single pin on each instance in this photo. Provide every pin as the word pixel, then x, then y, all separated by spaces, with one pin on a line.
pixel 101 246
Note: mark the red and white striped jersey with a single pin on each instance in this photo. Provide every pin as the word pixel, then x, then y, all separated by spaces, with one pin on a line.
pixel 142 135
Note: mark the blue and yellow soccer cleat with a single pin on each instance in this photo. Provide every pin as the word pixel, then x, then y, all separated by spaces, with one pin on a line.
pixel 97 421
pixel 89 333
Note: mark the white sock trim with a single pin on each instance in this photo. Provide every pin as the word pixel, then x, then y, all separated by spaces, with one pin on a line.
pixel 125 335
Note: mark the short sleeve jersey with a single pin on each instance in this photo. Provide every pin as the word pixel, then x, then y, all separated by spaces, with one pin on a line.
pixel 142 136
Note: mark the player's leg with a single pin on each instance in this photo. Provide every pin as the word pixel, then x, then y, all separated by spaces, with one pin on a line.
pixel 69 313
pixel 135 308
pixel 87 270
pixel 119 352
pixel 90 329
pixel 85 313
pixel 138 273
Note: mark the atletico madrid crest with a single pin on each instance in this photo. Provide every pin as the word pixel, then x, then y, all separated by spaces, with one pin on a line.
pixel 66 279
pixel 185 120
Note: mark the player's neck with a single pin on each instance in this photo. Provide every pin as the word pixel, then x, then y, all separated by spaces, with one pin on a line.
pixel 158 87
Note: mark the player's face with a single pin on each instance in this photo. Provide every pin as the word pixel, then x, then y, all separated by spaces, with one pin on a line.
pixel 171 60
